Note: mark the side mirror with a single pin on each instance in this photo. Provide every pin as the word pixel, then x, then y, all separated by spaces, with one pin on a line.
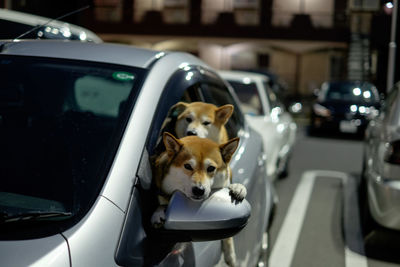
pixel 217 217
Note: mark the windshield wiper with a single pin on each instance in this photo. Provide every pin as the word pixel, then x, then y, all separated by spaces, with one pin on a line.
pixel 34 216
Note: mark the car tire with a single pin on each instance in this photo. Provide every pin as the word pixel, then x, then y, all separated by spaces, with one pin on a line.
pixel 284 172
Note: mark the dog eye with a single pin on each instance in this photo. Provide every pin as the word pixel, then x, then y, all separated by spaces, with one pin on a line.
pixel 188 167
pixel 210 169
pixel 189 119
pixel 206 123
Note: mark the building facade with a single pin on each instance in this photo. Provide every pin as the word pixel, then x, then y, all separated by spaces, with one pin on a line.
pixel 305 42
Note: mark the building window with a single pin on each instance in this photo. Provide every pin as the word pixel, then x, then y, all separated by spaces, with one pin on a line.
pixel 246 12
pixel 321 12
pixel 108 10
pixel 172 11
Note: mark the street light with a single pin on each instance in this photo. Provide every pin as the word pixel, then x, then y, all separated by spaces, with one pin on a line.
pixel 392 48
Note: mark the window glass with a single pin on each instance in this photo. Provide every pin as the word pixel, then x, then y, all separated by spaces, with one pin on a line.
pixel 60 125
pixel 247 93
pixel 92 93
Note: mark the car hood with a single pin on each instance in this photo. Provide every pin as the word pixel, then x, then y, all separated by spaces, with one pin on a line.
pixel 49 251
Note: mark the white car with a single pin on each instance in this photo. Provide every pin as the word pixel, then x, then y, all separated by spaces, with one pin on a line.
pixel 20 25
pixel 267 115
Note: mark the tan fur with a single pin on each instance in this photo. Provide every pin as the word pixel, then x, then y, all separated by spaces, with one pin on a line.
pixel 171 174
pixel 180 151
pixel 206 120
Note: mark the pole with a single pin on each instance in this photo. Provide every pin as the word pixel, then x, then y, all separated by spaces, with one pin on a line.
pixel 392 49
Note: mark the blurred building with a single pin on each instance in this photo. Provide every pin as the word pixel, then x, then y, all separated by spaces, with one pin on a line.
pixel 305 42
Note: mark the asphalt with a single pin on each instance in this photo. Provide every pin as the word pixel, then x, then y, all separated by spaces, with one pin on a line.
pixel 317 221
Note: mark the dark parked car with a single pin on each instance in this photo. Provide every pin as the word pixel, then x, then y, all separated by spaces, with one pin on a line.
pixel 344 106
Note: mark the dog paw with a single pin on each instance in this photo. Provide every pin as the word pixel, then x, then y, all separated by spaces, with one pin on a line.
pixel 237 191
pixel 158 218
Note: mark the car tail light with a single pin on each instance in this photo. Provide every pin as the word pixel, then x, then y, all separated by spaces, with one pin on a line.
pixel 392 153
pixel 321 110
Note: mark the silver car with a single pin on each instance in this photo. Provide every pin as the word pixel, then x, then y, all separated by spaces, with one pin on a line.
pixel 380 184
pixel 78 123
pixel 267 115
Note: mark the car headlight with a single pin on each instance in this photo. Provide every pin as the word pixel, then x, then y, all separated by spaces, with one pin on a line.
pixel 321 110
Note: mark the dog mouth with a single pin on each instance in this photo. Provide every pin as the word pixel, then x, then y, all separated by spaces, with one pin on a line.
pixel 197 198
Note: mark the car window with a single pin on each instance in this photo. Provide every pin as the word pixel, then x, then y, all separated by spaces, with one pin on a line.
pixel 92 93
pixel 60 125
pixel 202 86
pixel 249 97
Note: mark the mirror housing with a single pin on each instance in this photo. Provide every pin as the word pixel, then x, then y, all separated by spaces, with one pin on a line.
pixel 217 217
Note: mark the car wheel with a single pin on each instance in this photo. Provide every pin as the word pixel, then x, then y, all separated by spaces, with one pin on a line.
pixel 283 170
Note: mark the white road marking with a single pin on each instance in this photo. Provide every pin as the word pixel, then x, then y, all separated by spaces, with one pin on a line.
pixel 285 245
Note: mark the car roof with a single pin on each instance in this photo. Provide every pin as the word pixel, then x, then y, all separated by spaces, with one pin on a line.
pixel 34 21
pixel 240 75
pixel 89 51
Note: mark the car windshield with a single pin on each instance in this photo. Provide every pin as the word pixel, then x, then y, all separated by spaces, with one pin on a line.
pixel 249 98
pixel 60 125
pixel 349 91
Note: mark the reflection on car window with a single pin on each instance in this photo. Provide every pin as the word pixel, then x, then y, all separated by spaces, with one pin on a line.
pixel 93 94
pixel 249 97
pixel 60 123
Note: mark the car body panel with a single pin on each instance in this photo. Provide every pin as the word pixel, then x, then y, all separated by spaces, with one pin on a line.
pixel 91 239
pixel 275 125
pixel 383 178
pixel 81 51
pixel 48 251
pixel 21 22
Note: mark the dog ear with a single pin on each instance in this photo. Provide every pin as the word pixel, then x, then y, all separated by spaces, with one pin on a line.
pixel 172 144
pixel 177 109
pixel 228 149
pixel 223 113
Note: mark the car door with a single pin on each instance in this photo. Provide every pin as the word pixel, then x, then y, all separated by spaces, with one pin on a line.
pixel 247 168
pixel 376 133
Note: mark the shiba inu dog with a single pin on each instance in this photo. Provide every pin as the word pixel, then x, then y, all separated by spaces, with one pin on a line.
pixel 195 166
pixel 201 119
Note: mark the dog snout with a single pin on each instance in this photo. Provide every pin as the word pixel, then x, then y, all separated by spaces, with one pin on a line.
pixel 198 190
pixel 191 132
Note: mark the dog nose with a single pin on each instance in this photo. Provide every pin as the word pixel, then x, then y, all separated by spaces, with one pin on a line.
pixel 191 132
pixel 198 191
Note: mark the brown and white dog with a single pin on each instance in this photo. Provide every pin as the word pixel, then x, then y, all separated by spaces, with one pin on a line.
pixel 202 119
pixel 195 166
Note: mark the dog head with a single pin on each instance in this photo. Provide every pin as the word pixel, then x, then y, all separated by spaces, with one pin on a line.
pixel 201 119
pixel 194 164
